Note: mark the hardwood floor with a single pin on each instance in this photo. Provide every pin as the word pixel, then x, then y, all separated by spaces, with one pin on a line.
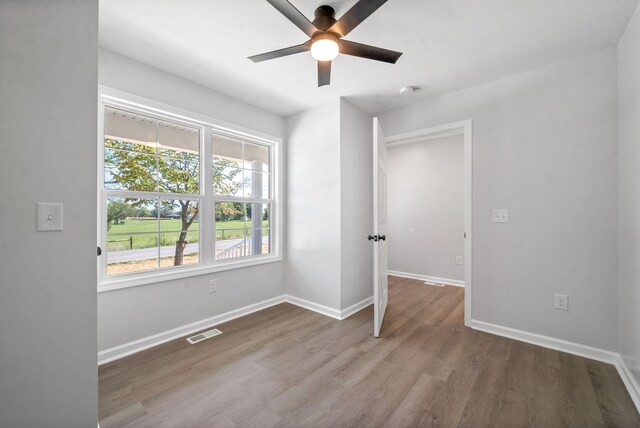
pixel 289 367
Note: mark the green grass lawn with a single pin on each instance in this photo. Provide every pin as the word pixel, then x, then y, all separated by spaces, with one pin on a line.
pixel 169 232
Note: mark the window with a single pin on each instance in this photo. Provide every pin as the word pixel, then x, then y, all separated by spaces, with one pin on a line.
pixel 241 187
pixel 172 205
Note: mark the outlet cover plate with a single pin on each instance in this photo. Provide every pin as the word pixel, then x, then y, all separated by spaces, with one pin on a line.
pixel 561 302
pixel 500 216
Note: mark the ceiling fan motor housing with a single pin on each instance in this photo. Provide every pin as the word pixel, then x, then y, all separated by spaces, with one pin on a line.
pixel 325 17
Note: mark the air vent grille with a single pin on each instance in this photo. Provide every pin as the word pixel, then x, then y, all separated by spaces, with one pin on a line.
pixel 203 336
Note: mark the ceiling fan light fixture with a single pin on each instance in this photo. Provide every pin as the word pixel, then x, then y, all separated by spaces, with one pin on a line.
pixel 325 47
pixel 326 36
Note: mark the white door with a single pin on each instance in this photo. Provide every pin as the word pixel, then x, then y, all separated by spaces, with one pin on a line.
pixel 379 237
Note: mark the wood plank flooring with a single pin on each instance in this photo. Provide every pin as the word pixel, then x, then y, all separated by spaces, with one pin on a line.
pixel 289 367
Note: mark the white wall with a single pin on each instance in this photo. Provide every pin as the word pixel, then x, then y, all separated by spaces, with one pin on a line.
pixel 425 203
pixel 544 146
pixel 48 79
pixel 629 195
pixel 356 203
pixel 329 170
pixel 313 205
pixel 126 74
pixel 134 313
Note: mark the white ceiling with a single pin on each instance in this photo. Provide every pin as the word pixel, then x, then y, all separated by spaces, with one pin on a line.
pixel 447 44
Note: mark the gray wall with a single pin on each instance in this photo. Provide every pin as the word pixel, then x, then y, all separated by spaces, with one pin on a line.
pixel 356 203
pixel 544 146
pixel 137 312
pixel 629 195
pixel 425 186
pixel 313 205
pixel 48 127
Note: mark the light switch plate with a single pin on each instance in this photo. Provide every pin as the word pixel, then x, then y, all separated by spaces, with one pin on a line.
pixel 49 217
pixel 500 216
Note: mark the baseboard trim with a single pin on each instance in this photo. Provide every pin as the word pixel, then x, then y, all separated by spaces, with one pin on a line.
pixel 629 380
pixel 546 341
pixel 312 306
pixel 130 348
pixel 135 346
pixel 347 312
pixel 580 350
pixel 420 277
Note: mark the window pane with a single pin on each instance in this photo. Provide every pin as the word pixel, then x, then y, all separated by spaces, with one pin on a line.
pixel 171 212
pixel 229 215
pixel 130 171
pixel 256 184
pixel 227 181
pixel 227 152
pixel 177 249
pixel 259 221
pixel 178 141
pixel 258 241
pixel 129 131
pixel 131 216
pixel 178 176
pixel 131 253
pixel 256 157
pixel 132 235
pixel 230 231
pixel 231 249
pixel 127 146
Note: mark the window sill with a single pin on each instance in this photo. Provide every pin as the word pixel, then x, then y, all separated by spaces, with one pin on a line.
pixel 187 272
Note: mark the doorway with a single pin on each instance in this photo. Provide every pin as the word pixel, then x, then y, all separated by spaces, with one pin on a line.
pixel 456 269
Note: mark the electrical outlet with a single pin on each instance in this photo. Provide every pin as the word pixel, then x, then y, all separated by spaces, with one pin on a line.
pixel 500 216
pixel 562 302
pixel 458 260
pixel 213 285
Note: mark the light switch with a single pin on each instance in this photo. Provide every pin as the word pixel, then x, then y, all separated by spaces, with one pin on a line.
pixel 500 216
pixel 49 217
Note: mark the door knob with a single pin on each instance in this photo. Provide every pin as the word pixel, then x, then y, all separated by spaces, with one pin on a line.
pixel 383 237
pixel 373 238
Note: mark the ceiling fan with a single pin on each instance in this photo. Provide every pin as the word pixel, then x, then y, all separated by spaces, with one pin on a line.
pixel 326 36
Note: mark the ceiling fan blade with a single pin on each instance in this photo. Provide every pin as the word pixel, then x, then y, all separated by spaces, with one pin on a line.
pixel 294 15
pixel 369 52
pixel 281 52
pixel 324 73
pixel 354 16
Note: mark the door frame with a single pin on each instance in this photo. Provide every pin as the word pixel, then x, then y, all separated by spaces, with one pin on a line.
pixel 456 128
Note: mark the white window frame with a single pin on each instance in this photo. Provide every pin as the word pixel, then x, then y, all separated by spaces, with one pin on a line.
pixel 207 126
